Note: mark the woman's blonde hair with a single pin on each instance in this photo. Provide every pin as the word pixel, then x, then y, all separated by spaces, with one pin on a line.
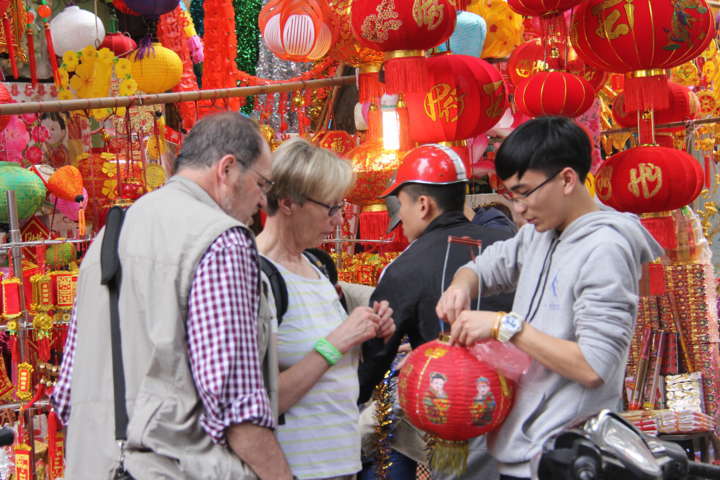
pixel 302 170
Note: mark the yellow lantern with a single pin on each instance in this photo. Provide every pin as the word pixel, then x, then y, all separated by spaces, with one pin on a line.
pixel 156 69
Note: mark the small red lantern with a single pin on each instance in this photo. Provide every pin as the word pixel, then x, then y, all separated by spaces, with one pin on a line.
pixel 296 30
pixel 554 93
pixel 642 38
pixel 403 29
pixel 446 391
pixel 649 179
pixel 464 96
pixel 119 43
pixel 541 8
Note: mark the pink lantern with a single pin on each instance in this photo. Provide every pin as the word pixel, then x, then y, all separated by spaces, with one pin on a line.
pixel 296 30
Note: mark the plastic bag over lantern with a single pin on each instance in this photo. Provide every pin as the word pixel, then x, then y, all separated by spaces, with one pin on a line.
pixel 449 393
pixel 296 30
pixel 74 29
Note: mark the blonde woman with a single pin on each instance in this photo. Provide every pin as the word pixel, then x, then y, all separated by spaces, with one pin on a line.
pixel 318 342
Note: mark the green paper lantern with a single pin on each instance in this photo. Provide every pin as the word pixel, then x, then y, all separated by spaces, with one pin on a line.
pixel 59 256
pixel 29 191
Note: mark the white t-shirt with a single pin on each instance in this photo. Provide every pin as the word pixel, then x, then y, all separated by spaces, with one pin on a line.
pixel 320 437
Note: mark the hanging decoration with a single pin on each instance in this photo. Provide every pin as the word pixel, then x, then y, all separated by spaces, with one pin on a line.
pixel 5 97
pixel 504 27
pixel 649 179
pixel 29 191
pixel 449 393
pixel 45 12
pixel 14 19
pixel 156 69
pixel 30 40
pixel 151 8
pixel 220 49
pixel 345 47
pixel 403 30
pixel 74 29
pixel 119 43
pixel 194 42
pixel 554 93
pixel 642 39
pixel 296 30
pixel 541 8
pixel 464 97
pixel 469 35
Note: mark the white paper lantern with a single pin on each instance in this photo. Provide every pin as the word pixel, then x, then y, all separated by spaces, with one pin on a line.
pixel 75 29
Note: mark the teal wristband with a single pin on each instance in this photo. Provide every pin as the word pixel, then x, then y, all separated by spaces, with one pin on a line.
pixel 328 351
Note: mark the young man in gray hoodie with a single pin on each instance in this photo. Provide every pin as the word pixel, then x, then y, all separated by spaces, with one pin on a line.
pixel 575 268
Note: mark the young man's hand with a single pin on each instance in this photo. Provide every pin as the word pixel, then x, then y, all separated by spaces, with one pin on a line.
pixel 452 303
pixel 472 326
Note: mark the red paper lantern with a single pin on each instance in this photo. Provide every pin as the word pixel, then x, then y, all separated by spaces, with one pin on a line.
pixel 554 93
pixel 119 43
pixel 346 48
pixel 684 105
pixel 642 38
pixel 403 29
pixel 464 96
pixel 649 179
pixel 296 30
pixel 5 97
pixel 446 391
pixel 541 8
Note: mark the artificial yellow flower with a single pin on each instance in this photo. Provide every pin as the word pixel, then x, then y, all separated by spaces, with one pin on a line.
pixel 64 94
pixel 123 68
pixel 128 87
pixel 70 60
pixel 12 326
pixel 64 77
pixel 89 52
pixel 105 55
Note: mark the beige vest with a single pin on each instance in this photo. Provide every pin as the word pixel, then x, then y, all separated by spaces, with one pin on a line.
pixel 163 239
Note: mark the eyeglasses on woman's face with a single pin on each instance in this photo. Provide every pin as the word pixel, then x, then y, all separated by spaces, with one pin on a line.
pixel 332 209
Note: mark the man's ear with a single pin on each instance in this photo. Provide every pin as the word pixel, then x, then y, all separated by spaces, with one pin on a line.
pixel 570 179
pixel 427 206
pixel 224 166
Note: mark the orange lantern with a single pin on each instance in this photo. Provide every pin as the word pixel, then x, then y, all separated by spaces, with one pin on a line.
pixel 296 30
pixel 66 183
pixel 642 38
pixel 403 29
pixel 449 393
pixel 554 93
pixel 464 96
pixel 649 179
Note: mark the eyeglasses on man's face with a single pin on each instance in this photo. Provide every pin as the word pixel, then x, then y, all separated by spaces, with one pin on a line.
pixel 332 209
pixel 522 197
pixel 264 183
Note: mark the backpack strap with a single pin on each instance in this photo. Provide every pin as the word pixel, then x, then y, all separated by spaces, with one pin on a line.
pixel 325 269
pixel 277 285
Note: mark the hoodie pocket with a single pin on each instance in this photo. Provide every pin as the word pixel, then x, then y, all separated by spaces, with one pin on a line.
pixel 534 410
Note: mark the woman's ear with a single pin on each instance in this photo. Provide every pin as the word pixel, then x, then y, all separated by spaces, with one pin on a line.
pixel 286 206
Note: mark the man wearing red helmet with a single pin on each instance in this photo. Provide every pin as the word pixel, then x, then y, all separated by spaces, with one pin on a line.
pixel 430 186
pixel 575 268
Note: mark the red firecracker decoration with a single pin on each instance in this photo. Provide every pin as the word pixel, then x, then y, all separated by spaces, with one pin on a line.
pixel 464 97
pixel 449 393
pixel 554 93
pixel 649 179
pixel 642 38
pixel 296 30
pixel 402 30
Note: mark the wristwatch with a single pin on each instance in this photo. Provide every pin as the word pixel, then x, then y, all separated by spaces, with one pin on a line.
pixel 510 324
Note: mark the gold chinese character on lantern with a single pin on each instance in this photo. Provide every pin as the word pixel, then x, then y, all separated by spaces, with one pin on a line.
pixel 443 101
pixel 642 178
pixel 497 105
pixel 603 183
pixel 610 26
pixel 427 13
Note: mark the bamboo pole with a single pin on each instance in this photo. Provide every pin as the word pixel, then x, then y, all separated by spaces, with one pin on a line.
pixel 684 123
pixel 162 98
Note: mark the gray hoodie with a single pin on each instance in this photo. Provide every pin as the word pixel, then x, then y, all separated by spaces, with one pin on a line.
pixel 581 285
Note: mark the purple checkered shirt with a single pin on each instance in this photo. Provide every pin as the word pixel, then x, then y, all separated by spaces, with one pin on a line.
pixel 221 336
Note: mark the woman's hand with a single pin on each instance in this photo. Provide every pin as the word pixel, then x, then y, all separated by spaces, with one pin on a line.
pixel 452 303
pixel 472 326
pixel 386 325
pixel 360 325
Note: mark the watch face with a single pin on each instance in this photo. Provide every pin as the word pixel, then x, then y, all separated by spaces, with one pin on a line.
pixel 512 321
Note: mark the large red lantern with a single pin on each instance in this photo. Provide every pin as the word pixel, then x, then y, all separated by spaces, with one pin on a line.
pixel 449 393
pixel 464 97
pixel 642 38
pixel 554 93
pixel 541 8
pixel 649 179
pixel 346 48
pixel 684 105
pixel 296 30
pixel 403 29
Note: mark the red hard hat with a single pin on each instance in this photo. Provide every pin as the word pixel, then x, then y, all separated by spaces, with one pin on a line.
pixel 430 164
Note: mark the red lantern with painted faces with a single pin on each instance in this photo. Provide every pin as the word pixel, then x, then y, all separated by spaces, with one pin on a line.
pixel 541 8
pixel 464 97
pixel 642 38
pixel 403 29
pixel 649 179
pixel 296 30
pixel 554 93
pixel 449 393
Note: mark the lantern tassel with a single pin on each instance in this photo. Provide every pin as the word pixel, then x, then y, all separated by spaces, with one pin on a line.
pixel 9 41
pixel 374 222
pixel 51 54
pixel 369 87
pixel 449 456
pixel 31 57
pixel 650 92
pixel 405 74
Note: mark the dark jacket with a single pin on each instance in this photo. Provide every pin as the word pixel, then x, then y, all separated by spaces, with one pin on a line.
pixel 492 217
pixel 413 283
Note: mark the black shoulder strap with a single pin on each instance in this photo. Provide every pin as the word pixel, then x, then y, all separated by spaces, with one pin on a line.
pixel 111 274
pixel 317 262
pixel 277 284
